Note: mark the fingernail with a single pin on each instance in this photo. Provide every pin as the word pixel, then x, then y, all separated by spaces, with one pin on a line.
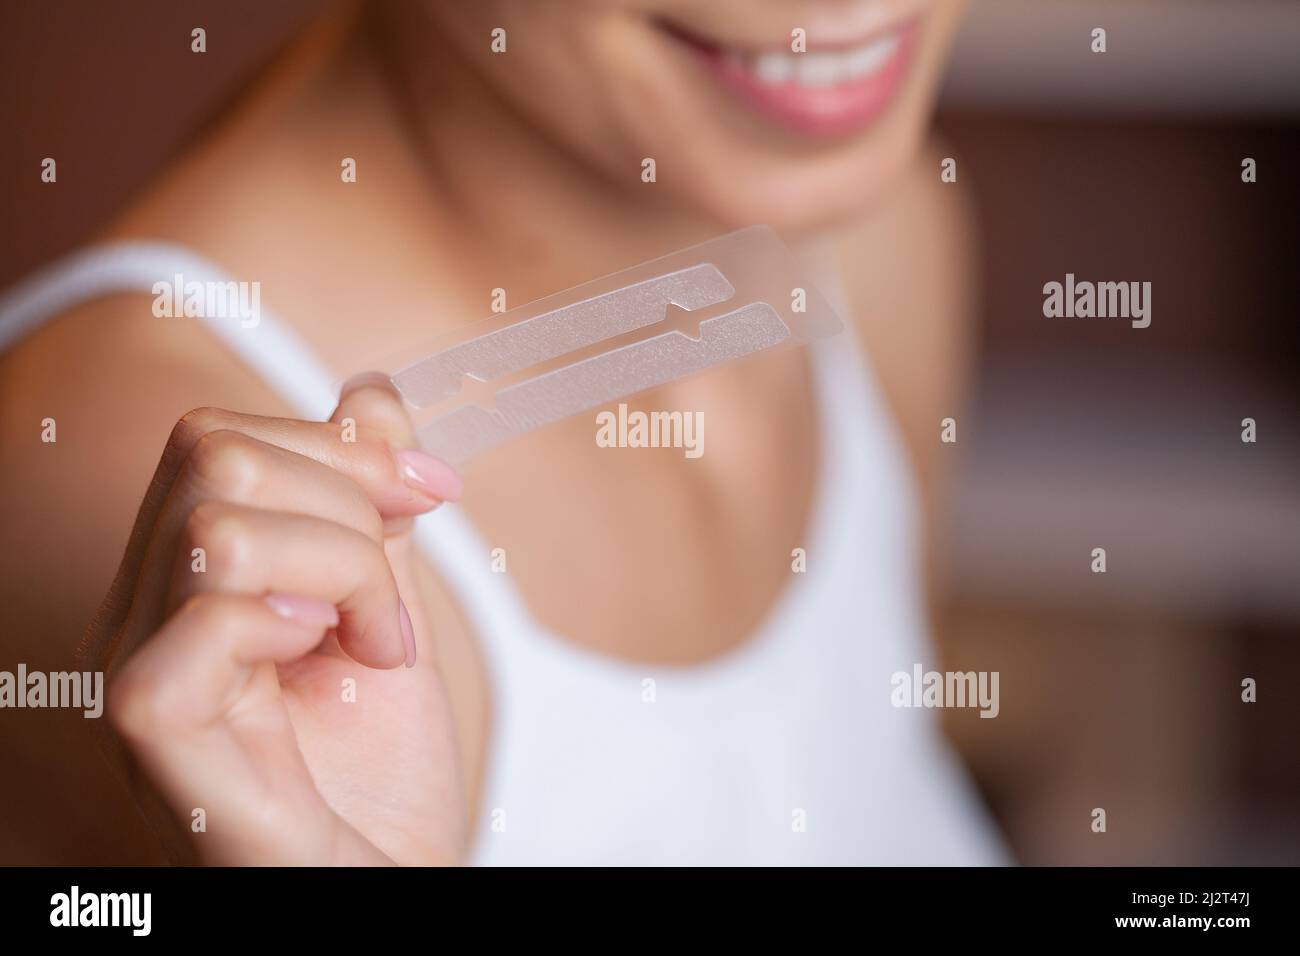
pixel 309 612
pixel 428 475
pixel 408 633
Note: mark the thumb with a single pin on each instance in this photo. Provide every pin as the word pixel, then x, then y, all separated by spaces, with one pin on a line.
pixel 370 403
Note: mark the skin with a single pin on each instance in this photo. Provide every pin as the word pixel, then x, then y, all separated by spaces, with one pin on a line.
pixel 471 177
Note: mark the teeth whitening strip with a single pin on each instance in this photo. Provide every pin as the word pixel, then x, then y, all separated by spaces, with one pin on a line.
pixel 637 329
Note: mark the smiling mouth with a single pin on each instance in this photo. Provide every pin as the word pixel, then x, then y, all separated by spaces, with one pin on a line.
pixel 821 92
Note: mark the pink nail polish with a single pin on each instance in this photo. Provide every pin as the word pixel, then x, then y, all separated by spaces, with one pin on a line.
pixel 408 633
pixel 309 612
pixel 428 475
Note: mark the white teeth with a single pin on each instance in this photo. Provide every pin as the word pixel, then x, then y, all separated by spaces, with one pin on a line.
pixel 873 56
pixel 821 68
pixel 773 68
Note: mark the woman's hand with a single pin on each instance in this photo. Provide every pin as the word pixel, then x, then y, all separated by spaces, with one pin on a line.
pixel 255 635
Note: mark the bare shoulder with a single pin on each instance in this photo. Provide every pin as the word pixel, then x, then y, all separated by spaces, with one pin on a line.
pixel 86 405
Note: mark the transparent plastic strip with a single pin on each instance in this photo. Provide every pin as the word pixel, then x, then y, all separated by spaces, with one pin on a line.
pixel 634 330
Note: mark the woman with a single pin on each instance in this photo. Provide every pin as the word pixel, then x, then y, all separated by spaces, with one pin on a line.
pixel 648 681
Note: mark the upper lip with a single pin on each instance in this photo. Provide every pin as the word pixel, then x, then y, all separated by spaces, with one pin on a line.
pixel 823 33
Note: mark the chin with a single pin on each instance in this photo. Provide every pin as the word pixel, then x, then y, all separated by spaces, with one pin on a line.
pixel 796 196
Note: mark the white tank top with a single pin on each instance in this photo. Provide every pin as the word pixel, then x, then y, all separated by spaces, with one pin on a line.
pixel 786 750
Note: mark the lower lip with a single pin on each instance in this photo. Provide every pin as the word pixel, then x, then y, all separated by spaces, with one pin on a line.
pixel 834 110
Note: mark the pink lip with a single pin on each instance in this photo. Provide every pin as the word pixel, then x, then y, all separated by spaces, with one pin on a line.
pixel 835 110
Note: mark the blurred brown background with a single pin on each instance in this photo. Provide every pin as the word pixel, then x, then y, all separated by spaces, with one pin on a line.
pixel 1089 433
pixel 1080 434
